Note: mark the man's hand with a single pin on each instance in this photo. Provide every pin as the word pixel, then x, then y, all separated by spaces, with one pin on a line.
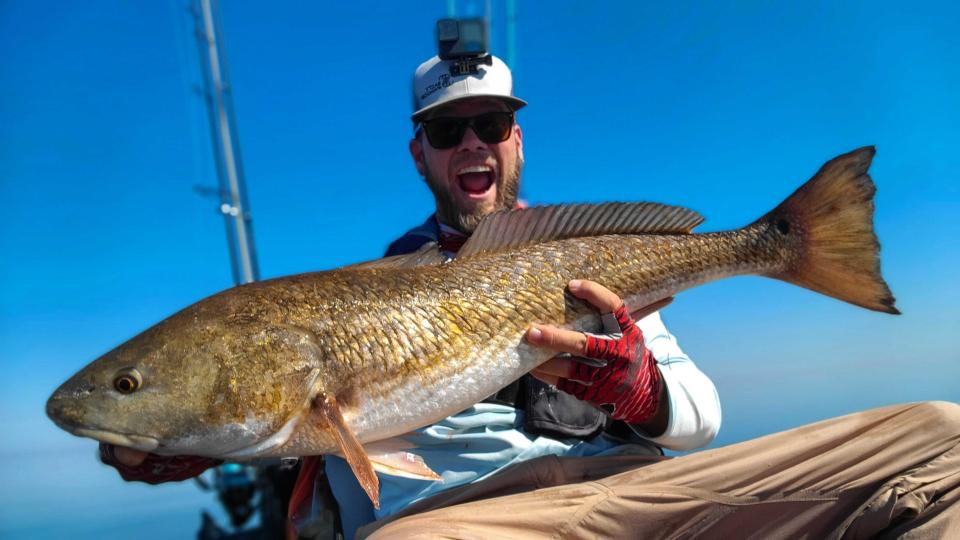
pixel 628 385
pixel 134 465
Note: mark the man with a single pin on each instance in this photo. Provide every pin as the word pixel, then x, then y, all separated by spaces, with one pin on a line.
pixel 575 452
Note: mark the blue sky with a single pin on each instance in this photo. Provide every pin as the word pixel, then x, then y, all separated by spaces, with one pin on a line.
pixel 725 109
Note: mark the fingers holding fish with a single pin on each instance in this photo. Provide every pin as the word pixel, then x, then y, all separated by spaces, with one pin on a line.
pixel 600 297
pixel 554 369
pixel 569 341
pixel 607 301
pixel 557 339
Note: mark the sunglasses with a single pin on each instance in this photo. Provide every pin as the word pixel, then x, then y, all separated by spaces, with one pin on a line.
pixel 491 128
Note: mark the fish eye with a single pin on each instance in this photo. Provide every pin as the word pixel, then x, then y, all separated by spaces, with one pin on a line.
pixel 127 381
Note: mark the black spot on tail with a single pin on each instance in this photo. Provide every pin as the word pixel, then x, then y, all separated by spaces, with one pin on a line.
pixel 783 226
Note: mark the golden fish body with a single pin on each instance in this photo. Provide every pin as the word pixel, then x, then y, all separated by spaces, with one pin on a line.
pixel 328 362
pixel 401 346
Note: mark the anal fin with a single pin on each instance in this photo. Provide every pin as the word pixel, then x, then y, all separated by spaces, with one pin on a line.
pixel 390 456
pixel 350 447
pixel 642 312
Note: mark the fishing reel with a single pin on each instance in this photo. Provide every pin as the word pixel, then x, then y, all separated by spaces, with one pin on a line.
pixel 463 42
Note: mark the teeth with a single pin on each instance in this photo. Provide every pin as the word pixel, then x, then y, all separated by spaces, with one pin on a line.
pixel 475 169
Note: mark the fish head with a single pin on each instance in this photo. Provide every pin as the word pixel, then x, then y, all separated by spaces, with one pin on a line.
pixel 197 383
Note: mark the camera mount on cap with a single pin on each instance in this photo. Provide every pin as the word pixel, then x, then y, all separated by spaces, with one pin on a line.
pixel 463 42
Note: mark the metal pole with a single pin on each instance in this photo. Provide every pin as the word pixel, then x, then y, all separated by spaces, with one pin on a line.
pixel 207 94
pixel 233 197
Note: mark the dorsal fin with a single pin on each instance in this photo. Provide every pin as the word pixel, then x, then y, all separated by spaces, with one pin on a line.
pixel 512 228
pixel 427 255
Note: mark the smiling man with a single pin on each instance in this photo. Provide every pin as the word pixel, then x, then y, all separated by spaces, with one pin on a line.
pixel 467 146
pixel 471 159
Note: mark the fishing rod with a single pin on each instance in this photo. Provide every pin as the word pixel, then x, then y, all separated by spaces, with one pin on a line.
pixel 243 490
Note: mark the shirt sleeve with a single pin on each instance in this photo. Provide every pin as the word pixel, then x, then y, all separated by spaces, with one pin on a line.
pixel 694 404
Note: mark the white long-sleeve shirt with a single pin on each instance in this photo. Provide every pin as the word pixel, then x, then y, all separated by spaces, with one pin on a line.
pixel 694 404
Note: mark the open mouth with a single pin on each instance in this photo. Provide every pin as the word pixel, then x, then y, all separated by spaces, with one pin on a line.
pixel 476 180
pixel 139 442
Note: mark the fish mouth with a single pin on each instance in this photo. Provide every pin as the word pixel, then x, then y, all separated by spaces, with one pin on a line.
pixel 138 442
pixel 69 418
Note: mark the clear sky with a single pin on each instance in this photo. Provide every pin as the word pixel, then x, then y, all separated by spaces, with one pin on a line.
pixel 725 109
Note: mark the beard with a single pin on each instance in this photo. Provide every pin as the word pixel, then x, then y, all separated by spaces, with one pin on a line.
pixel 508 187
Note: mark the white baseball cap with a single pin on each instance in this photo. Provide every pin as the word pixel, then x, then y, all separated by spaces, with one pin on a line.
pixel 434 85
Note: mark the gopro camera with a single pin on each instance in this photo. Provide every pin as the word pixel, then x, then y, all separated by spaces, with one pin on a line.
pixel 464 41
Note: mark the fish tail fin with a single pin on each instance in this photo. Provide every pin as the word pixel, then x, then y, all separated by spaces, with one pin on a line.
pixel 837 252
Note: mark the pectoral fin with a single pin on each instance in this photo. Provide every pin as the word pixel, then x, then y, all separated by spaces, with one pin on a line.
pixel 390 456
pixel 350 447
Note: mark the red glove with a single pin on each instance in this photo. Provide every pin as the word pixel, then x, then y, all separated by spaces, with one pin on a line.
pixel 628 386
pixel 158 469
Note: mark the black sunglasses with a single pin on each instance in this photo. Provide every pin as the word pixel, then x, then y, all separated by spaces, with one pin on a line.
pixel 491 128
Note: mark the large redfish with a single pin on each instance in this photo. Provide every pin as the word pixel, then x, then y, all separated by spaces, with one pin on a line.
pixel 345 360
